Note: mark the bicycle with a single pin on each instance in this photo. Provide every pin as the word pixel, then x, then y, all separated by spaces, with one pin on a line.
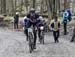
pixel 41 36
pixel 31 38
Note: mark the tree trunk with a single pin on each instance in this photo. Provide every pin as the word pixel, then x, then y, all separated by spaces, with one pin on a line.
pixel 42 7
pixel 49 10
pixel 3 6
pixel 34 3
pixel 21 4
pixel 53 8
pixel 65 2
pixel 13 10
pixel 15 5
pixel 59 5
pixel 26 4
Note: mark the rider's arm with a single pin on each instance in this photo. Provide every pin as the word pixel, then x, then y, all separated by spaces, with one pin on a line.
pixel 24 19
pixel 36 15
pixel 51 26
pixel 58 24
pixel 28 15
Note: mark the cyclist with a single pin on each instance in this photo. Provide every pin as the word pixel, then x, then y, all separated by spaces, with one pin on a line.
pixel 41 22
pixel 32 17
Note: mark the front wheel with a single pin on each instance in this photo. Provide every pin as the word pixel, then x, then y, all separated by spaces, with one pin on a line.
pixel 42 37
pixel 30 49
pixel 31 42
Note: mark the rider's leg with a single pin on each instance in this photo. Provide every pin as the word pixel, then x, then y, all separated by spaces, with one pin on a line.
pixel 26 32
pixel 17 25
pixel 26 29
pixel 14 25
pixel 39 33
pixel 54 34
pixel 65 28
pixel 35 38
pixel 58 33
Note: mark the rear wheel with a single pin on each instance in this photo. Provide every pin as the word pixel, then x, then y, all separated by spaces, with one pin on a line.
pixel 42 37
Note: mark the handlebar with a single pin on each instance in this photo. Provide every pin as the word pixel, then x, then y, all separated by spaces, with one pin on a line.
pixel 33 21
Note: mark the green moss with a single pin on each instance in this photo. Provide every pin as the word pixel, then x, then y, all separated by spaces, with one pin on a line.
pixel 43 15
pixel 19 8
pixel 7 18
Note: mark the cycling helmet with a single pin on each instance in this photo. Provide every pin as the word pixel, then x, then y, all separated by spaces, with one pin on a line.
pixel 17 13
pixel 40 17
pixel 32 10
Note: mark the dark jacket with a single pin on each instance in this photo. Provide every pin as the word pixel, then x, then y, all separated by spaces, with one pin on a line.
pixel 34 18
pixel 35 15
pixel 16 18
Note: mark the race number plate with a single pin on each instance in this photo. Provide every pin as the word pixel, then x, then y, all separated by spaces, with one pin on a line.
pixel 41 28
pixel 23 28
pixel 30 30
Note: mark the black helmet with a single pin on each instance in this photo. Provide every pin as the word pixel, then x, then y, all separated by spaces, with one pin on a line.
pixel 56 18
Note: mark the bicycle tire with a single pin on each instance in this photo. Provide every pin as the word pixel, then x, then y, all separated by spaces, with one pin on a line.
pixel 30 42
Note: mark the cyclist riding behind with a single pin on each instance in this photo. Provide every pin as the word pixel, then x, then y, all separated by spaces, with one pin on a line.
pixel 41 22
